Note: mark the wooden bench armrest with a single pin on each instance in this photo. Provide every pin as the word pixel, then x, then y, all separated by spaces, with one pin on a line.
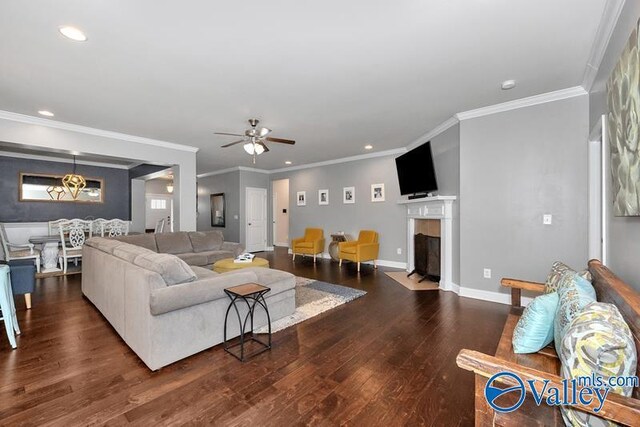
pixel 517 286
pixel 620 409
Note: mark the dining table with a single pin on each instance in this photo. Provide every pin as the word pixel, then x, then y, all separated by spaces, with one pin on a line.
pixel 50 251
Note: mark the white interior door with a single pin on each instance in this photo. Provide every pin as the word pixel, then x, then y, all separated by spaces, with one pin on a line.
pixel 256 213
pixel 598 189
pixel 159 206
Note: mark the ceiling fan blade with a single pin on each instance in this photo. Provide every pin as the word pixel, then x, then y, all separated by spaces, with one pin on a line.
pixel 283 141
pixel 232 143
pixel 263 145
pixel 225 133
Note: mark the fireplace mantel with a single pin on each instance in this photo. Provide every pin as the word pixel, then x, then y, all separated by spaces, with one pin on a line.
pixel 436 207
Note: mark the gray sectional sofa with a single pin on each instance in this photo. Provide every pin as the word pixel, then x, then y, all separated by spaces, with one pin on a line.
pixel 164 308
pixel 200 248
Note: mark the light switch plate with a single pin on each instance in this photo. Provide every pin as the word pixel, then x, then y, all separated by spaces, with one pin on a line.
pixel 546 219
pixel 487 273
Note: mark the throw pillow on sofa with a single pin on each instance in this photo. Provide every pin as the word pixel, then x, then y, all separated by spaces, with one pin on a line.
pixel 172 269
pixel 574 293
pixel 598 342
pixel 206 241
pixel 534 330
pixel 555 276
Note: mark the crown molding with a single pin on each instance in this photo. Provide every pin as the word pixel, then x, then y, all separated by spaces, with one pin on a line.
pixel 441 128
pixel 610 16
pixel 256 170
pixel 220 172
pixel 61 160
pixel 523 102
pixel 343 160
pixel 23 118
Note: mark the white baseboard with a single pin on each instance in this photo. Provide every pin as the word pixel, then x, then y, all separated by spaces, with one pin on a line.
pixel 381 262
pixel 491 296
pixel 283 245
pixel 269 249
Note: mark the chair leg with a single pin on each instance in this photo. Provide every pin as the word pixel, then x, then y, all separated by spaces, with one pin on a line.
pixel 38 264
pixel 375 264
pixel 314 258
pixel 27 301
pixel 294 257
pixel 64 266
pixel 340 263
pixel 358 267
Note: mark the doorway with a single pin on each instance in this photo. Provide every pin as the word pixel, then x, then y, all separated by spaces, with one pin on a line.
pixel 280 213
pixel 598 155
pixel 256 213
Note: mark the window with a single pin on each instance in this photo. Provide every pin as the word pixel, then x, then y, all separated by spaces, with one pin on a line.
pixel 158 204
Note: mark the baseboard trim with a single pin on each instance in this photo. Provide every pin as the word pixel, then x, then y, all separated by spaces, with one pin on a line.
pixel 483 295
pixel 269 249
pixel 380 262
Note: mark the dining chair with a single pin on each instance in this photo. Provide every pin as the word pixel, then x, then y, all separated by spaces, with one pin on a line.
pixel 53 226
pixel 7 306
pixel 114 228
pixel 97 227
pixel 14 251
pixel 73 234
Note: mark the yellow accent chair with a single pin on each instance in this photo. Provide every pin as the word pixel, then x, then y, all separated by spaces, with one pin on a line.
pixel 366 248
pixel 311 244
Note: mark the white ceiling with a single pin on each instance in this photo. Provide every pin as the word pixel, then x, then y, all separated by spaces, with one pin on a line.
pixel 333 75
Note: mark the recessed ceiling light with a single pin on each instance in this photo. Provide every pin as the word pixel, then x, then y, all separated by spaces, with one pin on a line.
pixel 287 162
pixel 46 113
pixel 508 84
pixel 368 147
pixel 73 33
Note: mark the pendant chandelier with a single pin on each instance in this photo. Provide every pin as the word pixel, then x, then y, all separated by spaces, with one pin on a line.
pixel 73 182
pixel 253 149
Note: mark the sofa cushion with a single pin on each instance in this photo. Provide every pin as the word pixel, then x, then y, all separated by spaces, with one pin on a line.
pixel 172 269
pixel 102 244
pixel 534 330
pixel 206 241
pixel 193 259
pixel 555 276
pixel 277 280
pixel 129 252
pixel 172 298
pixel 144 240
pixel 174 243
pixel 213 256
pixel 598 342
pixel 574 294
pixel 203 273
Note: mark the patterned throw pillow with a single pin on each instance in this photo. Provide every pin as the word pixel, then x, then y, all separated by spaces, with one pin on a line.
pixel 574 294
pixel 555 275
pixel 598 342
pixel 534 330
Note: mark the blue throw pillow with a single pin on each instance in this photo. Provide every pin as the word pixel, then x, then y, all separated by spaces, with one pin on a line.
pixel 574 293
pixel 534 330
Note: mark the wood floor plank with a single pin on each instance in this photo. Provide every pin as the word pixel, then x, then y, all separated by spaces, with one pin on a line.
pixel 387 358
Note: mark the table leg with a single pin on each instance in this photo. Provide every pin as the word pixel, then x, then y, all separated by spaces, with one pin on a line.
pixel 50 257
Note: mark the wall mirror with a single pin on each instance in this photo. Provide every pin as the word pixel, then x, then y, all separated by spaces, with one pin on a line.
pixel 217 210
pixel 36 187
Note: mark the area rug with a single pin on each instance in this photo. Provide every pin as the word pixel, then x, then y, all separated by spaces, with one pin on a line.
pixel 412 282
pixel 312 298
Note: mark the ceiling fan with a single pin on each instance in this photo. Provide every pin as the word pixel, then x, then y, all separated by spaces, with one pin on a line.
pixel 254 139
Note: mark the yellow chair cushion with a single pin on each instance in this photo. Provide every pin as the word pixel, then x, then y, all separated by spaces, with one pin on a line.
pixel 349 250
pixel 308 245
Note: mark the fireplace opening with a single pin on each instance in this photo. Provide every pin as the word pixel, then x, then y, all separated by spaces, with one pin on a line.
pixel 427 250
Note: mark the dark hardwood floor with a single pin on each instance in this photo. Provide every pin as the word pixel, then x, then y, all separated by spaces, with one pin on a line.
pixel 387 358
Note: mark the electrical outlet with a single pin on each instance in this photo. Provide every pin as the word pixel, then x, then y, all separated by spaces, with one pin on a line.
pixel 487 273
pixel 546 219
pixel 235 217
pixel 399 251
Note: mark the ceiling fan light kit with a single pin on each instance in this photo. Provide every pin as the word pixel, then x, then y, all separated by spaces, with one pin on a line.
pixel 254 139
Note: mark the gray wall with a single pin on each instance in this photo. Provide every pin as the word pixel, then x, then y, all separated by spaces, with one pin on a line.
pixel 229 184
pixel 516 166
pixel 116 196
pixel 387 218
pixel 624 232
pixel 446 159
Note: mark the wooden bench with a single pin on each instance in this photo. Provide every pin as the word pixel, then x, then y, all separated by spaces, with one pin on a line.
pixel 545 364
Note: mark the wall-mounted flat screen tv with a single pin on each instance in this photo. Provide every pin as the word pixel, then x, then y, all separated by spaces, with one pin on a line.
pixel 416 173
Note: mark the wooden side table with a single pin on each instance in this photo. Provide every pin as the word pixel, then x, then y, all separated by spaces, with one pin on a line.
pixel 252 294
pixel 333 245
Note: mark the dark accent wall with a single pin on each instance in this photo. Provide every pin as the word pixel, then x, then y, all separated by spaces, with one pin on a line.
pixel 116 196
